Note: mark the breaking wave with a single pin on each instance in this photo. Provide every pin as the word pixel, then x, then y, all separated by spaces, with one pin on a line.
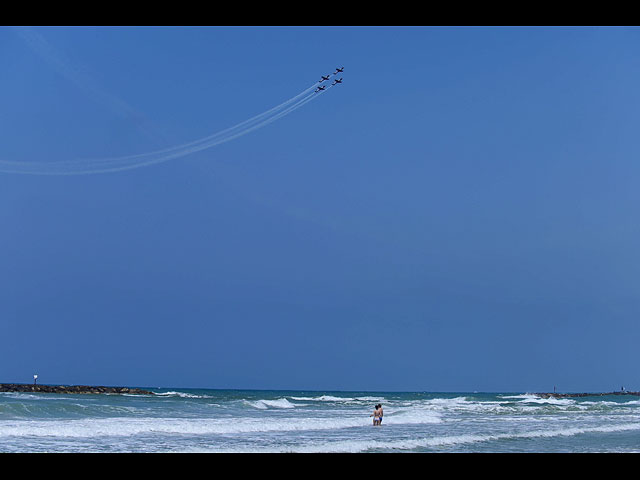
pixel 264 404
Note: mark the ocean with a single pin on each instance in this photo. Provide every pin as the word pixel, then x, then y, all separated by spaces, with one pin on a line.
pixel 194 420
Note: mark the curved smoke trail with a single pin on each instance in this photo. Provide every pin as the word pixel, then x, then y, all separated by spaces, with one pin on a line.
pixel 92 166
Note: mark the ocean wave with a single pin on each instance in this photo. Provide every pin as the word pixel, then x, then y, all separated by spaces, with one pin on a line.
pixel 265 404
pixel 323 398
pixel 131 426
pixel 547 401
pixel 30 396
pixel 334 399
pixel 514 405
pixel 180 394
pixel 28 411
pixel 127 426
pixel 455 405
pixel 364 445
pixel 411 416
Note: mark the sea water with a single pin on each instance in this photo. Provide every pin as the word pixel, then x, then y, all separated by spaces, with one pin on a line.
pixel 188 420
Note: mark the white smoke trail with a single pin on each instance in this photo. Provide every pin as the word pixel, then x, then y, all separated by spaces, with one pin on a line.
pixel 81 167
pixel 80 77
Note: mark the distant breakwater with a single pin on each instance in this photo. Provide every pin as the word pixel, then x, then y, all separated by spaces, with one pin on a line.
pixel 26 388
pixel 570 395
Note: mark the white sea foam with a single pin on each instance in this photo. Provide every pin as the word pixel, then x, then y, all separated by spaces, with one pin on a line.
pixel 363 445
pixel 181 395
pixel 264 404
pixel 324 398
pixel 322 423
pixel 411 416
pixel 126 426
pixel 129 426
pixel 455 405
pixel 548 401
pixel 371 399
pixel 30 396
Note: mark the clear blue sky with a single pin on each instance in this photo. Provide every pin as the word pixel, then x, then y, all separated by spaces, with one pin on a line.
pixel 460 214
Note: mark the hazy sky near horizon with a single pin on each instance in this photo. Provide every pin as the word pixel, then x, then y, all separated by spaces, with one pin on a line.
pixel 460 214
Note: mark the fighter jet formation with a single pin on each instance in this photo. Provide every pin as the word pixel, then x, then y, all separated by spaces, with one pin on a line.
pixel 327 77
pixel 127 162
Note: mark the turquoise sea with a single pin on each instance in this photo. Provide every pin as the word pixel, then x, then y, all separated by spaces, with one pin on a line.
pixel 193 420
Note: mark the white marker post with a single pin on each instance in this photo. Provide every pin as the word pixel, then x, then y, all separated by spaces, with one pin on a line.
pixel 35 379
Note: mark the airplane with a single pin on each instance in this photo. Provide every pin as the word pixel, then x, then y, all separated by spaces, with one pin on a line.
pixel 320 88
pixel 338 70
pixel 324 78
pixel 337 80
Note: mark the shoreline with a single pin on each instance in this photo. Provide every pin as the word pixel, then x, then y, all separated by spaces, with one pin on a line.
pixel 81 389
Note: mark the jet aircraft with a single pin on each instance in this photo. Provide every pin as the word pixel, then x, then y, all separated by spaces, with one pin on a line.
pixel 324 78
pixel 320 88
pixel 337 80
pixel 338 70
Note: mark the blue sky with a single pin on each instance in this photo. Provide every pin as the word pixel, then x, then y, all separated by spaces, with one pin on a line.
pixel 460 214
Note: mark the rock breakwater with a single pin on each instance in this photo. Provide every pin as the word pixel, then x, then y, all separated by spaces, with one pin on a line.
pixel 77 389
pixel 571 395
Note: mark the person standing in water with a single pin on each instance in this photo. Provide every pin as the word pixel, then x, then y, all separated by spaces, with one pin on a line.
pixel 377 415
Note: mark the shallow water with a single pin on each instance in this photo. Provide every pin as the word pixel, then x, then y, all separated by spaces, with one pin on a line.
pixel 189 420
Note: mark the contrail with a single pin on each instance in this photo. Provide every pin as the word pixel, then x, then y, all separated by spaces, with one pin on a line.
pixel 81 78
pixel 80 167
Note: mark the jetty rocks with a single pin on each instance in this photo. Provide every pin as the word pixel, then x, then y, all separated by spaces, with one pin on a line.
pixel 26 388
pixel 570 395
